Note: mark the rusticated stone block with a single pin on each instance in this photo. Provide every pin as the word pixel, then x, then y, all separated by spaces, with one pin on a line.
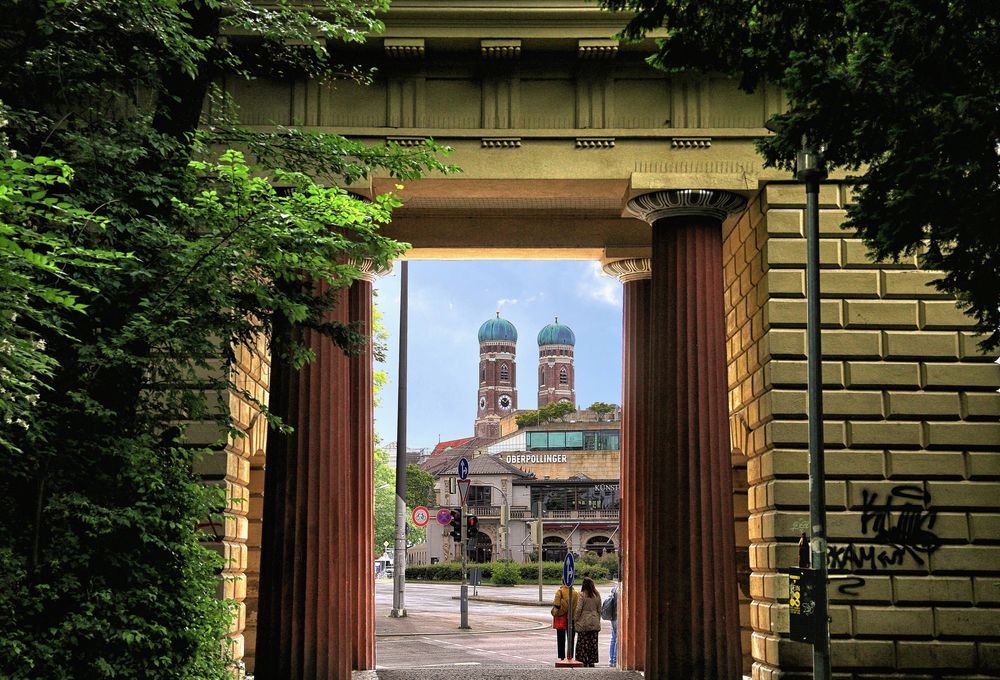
pixel 784 372
pixel 791 252
pixel 961 558
pixel 884 434
pixel 982 405
pixel 792 313
pixel 849 284
pixel 931 589
pixel 881 314
pixel 893 621
pixel 912 405
pixel 984 464
pixel 852 344
pixel 986 589
pixel 883 374
pixel 966 435
pixel 785 222
pixel 926 465
pixel 967 621
pixel 788 432
pixel 923 345
pixel 852 405
pixel 944 314
pixel 785 283
pixel 911 285
pixel 962 376
pixel 795 195
pixel 939 654
pixel 984 528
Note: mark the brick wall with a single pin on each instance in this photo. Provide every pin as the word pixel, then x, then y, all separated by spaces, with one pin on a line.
pixel 238 466
pixel 913 451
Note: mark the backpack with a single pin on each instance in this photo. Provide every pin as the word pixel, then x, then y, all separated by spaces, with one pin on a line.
pixel 609 608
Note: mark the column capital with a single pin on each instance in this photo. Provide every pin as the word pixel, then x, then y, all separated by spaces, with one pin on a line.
pixel 369 270
pixel 680 202
pixel 630 269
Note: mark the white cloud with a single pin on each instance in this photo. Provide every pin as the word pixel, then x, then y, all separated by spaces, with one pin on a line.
pixel 506 301
pixel 596 285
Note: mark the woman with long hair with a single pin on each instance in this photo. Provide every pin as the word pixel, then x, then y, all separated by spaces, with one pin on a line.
pixel 587 623
pixel 565 598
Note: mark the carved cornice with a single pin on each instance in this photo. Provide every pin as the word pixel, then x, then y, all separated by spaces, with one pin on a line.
pixel 595 142
pixel 501 142
pixel 500 49
pixel 404 48
pixel 691 142
pixel 369 271
pixel 630 269
pixel 597 49
pixel 678 202
pixel 406 141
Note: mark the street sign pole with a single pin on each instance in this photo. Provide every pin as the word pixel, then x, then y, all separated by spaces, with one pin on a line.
pixel 464 625
pixel 463 475
pixel 540 534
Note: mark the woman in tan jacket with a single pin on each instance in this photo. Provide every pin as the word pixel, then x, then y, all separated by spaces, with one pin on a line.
pixel 560 612
pixel 587 623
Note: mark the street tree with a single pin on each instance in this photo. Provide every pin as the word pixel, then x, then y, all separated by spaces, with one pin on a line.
pixel 419 486
pixel 902 94
pixel 602 409
pixel 140 277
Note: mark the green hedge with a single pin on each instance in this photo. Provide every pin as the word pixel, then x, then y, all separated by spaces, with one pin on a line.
pixel 526 573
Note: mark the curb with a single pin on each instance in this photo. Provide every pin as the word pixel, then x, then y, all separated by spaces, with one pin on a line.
pixel 500 600
pixel 540 626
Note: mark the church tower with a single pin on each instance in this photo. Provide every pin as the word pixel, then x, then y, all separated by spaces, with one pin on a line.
pixel 556 376
pixel 497 376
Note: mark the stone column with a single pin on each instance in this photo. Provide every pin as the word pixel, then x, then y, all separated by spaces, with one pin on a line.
pixel 308 621
pixel 692 617
pixel 361 498
pixel 634 273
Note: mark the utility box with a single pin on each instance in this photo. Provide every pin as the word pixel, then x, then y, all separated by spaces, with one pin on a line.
pixel 804 604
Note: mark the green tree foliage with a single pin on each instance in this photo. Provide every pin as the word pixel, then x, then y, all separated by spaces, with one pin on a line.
pixel 904 93
pixel 602 409
pixel 136 283
pixel 419 486
pixel 557 410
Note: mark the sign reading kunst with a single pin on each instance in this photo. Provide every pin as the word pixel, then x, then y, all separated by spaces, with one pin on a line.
pixel 536 458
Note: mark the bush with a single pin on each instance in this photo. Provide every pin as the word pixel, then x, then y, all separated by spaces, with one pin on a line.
pixel 610 562
pixel 505 574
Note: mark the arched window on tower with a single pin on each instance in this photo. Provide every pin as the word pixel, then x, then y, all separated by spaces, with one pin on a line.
pixel 563 376
pixel 541 376
pixel 482 374
pixel 504 372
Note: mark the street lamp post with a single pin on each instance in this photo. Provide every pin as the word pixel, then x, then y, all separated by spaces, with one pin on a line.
pixel 809 169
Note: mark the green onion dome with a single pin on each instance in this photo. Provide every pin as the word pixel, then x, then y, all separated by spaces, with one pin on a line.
pixel 556 334
pixel 497 330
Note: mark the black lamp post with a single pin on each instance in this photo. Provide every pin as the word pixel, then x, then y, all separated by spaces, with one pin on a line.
pixel 809 168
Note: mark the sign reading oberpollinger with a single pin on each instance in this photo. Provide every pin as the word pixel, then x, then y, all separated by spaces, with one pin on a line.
pixel 537 458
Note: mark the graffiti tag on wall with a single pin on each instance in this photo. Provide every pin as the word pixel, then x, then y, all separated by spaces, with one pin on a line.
pixel 900 529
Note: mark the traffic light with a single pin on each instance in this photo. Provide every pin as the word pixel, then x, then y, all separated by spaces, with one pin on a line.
pixel 456 525
pixel 471 527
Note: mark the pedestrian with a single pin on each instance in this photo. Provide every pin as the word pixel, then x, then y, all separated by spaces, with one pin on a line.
pixel 609 612
pixel 587 623
pixel 560 618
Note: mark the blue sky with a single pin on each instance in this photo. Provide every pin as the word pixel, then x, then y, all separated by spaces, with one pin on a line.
pixel 448 302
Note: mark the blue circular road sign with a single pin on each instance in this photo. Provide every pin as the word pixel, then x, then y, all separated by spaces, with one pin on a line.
pixel 463 469
pixel 444 516
pixel 569 570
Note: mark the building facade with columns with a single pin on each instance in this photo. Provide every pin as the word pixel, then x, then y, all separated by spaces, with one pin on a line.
pixel 573 147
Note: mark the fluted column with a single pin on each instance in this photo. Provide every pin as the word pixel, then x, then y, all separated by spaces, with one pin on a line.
pixel 316 619
pixel 692 617
pixel 361 497
pixel 634 273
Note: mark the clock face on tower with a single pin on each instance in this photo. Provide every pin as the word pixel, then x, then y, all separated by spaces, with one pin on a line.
pixel 504 402
pixel 482 403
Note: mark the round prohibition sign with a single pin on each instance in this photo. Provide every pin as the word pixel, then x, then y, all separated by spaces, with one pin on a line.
pixel 421 516
pixel 444 516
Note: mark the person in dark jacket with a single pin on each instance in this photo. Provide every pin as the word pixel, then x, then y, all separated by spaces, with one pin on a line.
pixel 587 623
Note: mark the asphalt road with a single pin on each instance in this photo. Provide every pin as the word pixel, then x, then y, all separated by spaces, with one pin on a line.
pixel 429 637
